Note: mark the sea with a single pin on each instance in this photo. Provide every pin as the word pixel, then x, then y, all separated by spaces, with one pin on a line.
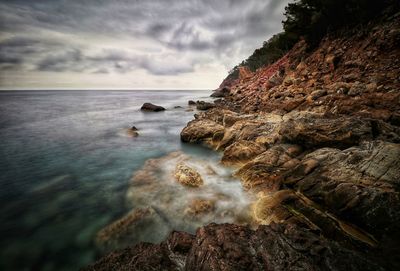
pixel 66 161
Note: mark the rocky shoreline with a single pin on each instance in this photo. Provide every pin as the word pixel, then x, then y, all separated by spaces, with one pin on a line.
pixel 315 137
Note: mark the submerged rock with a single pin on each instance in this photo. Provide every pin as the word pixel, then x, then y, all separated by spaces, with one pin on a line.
pixel 188 176
pixel 133 131
pixel 151 107
pixel 134 227
pixel 199 207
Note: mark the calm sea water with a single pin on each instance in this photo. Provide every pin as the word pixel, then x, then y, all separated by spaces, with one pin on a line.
pixel 65 164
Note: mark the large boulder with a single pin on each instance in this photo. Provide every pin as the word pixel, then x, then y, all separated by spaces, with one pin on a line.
pixel 241 152
pixel 151 107
pixel 233 247
pixel 202 105
pixel 187 176
pixel 220 92
pixel 201 130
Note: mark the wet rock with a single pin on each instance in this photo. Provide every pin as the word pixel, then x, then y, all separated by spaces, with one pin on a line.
pixel 199 207
pixel 201 105
pixel 188 176
pixel 132 228
pixel 264 172
pixel 221 92
pixel 132 133
pixel 241 152
pixel 151 107
pixel 201 130
pixel 190 102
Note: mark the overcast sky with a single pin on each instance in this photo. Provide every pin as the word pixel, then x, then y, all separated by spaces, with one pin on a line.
pixel 131 44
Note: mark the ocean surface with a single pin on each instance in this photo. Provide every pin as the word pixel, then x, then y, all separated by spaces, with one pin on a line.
pixel 66 160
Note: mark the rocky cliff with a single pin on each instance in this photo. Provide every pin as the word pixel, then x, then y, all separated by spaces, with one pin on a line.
pixel 316 138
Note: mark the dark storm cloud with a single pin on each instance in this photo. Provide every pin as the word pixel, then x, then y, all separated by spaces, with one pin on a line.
pixel 109 61
pixel 64 35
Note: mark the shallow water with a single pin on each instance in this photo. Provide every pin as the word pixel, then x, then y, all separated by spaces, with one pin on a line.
pixel 66 162
pixel 65 166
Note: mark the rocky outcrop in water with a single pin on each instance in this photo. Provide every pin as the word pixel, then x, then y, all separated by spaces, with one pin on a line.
pixel 151 107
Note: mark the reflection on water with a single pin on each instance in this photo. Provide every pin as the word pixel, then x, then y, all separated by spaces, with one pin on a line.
pixel 65 167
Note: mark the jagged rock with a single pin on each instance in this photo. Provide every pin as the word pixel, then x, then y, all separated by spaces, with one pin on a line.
pixel 220 92
pixel 264 171
pixel 201 105
pixel 188 176
pixel 241 152
pixel 151 107
pixel 233 247
pixel 144 256
pixel 201 130
pixel 319 132
pixel 360 184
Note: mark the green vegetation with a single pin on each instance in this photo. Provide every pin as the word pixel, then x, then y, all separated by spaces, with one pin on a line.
pixel 311 20
pixel 272 50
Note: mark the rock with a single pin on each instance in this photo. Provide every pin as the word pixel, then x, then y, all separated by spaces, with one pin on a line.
pixel 220 92
pixel 188 176
pixel 350 182
pixel 190 102
pixel 232 247
pixel 133 131
pixel 264 171
pixel 201 105
pixel 144 256
pixel 241 152
pixel 199 207
pixel 317 94
pixel 131 229
pixel 151 107
pixel 314 132
pixel 177 106
pixel 201 130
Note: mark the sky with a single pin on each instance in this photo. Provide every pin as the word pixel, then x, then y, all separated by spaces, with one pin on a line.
pixel 130 44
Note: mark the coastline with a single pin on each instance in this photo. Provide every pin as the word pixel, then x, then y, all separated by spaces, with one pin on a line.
pixel 316 141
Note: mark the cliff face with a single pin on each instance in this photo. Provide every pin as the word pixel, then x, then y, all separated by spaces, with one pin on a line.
pixel 315 136
pixel 357 74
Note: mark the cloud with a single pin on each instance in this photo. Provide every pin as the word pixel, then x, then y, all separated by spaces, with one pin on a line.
pixel 167 38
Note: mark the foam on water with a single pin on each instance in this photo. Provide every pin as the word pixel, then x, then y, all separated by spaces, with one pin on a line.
pixel 66 164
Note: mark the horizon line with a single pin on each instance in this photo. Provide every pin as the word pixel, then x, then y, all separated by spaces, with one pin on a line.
pixel 126 89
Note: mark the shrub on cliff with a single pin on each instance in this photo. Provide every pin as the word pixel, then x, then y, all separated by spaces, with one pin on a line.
pixel 312 19
pixel 272 50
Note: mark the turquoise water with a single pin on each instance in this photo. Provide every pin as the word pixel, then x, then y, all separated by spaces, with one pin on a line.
pixel 65 164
